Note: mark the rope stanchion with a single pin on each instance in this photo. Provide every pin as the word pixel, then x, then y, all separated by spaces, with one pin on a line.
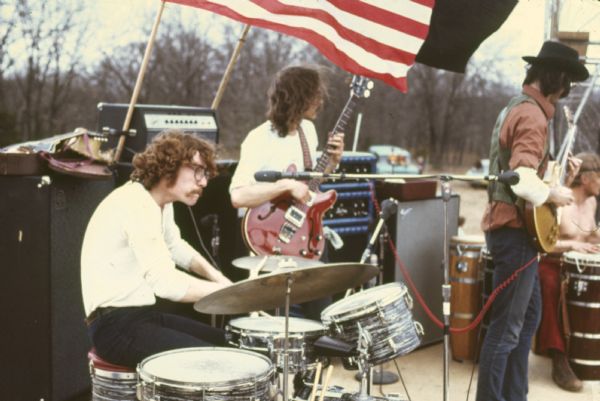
pixel 422 302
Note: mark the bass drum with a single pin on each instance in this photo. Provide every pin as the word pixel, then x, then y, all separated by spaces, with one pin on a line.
pixel 202 374
pixel 583 306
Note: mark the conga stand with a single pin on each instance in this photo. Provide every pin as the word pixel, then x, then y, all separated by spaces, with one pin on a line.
pixel 446 288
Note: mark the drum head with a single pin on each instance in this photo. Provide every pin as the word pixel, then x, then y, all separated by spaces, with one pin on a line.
pixel 584 259
pixel 467 240
pixel 361 299
pixel 204 366
pixel 276 324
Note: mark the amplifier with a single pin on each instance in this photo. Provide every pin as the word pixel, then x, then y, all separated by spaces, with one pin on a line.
pixel 353 210
pixel 148 120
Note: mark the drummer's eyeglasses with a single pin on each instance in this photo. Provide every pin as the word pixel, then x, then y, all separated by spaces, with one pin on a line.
pixel 200 172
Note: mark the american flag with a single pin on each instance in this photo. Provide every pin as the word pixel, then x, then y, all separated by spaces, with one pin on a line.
pixel 373 38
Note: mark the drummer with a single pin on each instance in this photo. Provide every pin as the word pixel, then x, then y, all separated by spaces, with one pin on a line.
pixel 287 137
pixel 578 232
pixel 130 250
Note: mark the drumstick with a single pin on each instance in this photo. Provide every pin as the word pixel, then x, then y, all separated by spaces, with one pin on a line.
pixel 314 386
pixel 326 383
pixel 254 272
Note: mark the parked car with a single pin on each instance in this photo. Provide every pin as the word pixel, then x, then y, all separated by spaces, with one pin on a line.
pixel 394 160
pixel 481 167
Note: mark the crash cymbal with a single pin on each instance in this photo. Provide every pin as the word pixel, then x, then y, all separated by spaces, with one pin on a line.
pixel 268 291
pixel 274 262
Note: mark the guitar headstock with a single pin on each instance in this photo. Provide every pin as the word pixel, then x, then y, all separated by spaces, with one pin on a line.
pixel 361 86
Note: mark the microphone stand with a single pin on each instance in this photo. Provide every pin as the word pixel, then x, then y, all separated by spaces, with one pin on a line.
pixel 446 287
pixel 388 208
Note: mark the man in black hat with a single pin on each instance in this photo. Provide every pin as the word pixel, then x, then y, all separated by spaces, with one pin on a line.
pixel 519 143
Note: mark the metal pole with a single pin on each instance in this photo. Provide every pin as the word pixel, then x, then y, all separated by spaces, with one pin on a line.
pixel 229 69
pixel 446 289
pixel 138 83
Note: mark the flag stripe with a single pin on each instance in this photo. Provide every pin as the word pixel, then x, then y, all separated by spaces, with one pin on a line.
pixel 378 39
pixel 374 38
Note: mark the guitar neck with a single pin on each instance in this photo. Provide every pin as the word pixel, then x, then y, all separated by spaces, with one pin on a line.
pixel 340 126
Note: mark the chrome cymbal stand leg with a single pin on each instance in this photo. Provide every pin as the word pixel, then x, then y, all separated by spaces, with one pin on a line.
pixel 288 291
pixel 364 341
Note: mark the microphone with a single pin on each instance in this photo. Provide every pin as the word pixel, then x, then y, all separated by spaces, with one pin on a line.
pixel 506 177
pixel 272 176
pixel 388 208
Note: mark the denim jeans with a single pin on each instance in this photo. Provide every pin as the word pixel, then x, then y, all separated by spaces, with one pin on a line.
pixel 126 336
pixel 514 318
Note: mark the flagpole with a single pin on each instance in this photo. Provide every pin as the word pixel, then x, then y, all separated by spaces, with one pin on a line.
pixel 138 83
pixel 229 69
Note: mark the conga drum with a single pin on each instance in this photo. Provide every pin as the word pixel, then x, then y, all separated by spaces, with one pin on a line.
pixel 583 306
pixel 465 298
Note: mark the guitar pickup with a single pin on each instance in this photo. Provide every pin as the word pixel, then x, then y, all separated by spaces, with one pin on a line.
pixel 286 233
pixel 295 216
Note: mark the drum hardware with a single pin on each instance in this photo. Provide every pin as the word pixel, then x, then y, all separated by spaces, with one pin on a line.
pixel 257 264
pixel 275 288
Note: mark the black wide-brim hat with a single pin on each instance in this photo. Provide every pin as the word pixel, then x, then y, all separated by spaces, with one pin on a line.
pixel 562 57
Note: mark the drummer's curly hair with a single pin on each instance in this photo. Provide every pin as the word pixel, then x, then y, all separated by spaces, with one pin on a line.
pixel 590 163
pixel 291 94
pixel 170 150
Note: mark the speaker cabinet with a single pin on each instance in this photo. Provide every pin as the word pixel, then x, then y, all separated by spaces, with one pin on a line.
pixel 418 234
pixel 44 339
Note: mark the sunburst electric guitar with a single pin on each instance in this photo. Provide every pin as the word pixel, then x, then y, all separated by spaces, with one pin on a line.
pixel 285 227
pixel 543 222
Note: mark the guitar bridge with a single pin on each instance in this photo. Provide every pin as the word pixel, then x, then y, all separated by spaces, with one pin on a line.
pixel 286 233
pixel 295 216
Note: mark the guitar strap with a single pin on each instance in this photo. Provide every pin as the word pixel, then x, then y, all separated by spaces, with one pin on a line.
pixel 305 150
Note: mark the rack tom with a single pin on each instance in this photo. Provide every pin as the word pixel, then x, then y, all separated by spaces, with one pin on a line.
pixel 266 335
pixel 583 306
pixel 384 312
pixel 465 299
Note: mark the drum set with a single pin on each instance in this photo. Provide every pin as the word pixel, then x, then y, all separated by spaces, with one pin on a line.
pixel 365 328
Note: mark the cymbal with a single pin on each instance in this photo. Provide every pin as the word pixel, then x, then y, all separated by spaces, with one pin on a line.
pixel 274 262
pixel 268 291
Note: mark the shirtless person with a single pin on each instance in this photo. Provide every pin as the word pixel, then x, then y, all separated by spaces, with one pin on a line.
pixel 577 233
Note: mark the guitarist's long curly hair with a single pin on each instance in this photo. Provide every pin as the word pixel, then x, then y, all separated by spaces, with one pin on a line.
pixel 291 94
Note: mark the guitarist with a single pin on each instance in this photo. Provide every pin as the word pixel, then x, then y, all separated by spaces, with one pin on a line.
pixel 577 233
pixel 519 142
pixel 295 97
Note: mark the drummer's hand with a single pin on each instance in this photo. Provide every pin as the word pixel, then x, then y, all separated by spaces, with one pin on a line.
pixel 297 190
pixel 585 247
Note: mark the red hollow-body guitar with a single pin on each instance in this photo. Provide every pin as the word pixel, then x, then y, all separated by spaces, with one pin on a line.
pixel 285 227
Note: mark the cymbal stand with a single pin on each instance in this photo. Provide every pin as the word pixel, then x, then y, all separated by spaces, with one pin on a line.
pixel 446 288
pixel 364 341
pixel 288 291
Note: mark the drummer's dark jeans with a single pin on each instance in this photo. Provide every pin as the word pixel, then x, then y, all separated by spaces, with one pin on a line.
pixel 126 336
pixel 514 319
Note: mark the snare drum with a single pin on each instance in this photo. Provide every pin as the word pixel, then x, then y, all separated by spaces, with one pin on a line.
pixel 583 306
pixel 202 374
pixel 111 382
pixel 384 312
pixel 266 335
pixel 465 298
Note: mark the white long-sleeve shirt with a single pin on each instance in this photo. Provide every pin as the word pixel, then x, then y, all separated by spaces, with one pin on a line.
pixel 130 251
